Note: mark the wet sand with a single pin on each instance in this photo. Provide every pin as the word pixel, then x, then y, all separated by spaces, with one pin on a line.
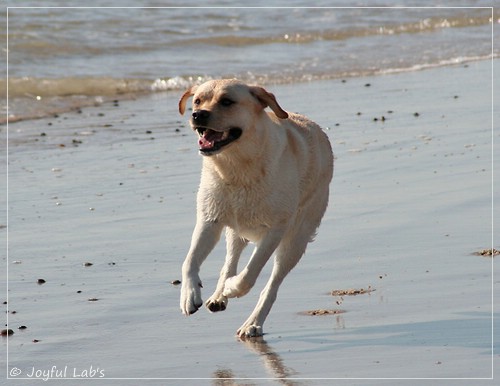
pixel 115 185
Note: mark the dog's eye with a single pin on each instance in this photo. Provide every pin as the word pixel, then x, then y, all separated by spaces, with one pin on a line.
pixel 197 101
pixel 226 102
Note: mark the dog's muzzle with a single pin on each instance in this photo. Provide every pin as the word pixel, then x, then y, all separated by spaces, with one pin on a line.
pixel 212 141
pixel 200 117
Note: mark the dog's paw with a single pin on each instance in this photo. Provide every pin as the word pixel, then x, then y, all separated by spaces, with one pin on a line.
pixel 216 303
pixel 249 331
pixel 236 287
pixel 191 296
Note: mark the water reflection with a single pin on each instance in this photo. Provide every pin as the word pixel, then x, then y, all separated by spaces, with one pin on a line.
pixel 339 322
pixel 273 364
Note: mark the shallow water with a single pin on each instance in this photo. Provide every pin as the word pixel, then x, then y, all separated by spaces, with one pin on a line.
pixel 114 184
pixel 62 58
pixel 410 203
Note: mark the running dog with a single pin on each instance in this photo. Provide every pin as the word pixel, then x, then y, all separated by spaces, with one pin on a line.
pixel 265 179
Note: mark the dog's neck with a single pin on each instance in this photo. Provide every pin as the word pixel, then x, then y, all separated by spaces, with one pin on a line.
pixel 254 161
pixel 235 168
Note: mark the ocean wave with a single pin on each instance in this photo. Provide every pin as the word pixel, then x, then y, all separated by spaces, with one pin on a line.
pixel 31 87
pixel 50 87
pixel 60 60
pixel 425 25
pixel 50 96
pixel 442 63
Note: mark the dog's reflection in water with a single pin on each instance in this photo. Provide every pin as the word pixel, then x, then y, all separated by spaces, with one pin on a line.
pixel 272 361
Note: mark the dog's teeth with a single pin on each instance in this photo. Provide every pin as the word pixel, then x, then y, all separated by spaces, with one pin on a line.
pixel 225 136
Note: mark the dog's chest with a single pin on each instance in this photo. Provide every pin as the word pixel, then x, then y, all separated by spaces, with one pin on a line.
pixel 244 208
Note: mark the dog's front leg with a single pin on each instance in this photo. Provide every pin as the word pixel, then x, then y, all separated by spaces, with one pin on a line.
pixel 205 236
pixel 240 284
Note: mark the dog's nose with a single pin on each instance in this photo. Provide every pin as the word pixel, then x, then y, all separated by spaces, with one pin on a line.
pixel 200 117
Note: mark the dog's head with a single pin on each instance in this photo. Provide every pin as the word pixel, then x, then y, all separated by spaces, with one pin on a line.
pixel 224 109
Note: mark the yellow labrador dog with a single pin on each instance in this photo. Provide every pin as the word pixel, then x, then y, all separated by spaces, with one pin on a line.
pixel 265 179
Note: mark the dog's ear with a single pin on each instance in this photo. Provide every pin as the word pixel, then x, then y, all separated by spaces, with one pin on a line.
pixel 182 102
pixel 268 99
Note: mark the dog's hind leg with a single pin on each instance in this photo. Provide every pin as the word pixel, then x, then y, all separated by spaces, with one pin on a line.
pixel 288 254
pixel 234 245
pixel 239 285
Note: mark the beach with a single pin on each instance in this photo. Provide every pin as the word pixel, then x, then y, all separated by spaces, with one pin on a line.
pixel 101 207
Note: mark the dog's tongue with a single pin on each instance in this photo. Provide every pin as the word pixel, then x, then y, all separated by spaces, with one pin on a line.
pixel 209 138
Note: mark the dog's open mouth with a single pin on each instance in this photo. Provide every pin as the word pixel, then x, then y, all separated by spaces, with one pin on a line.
pixel 211 141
